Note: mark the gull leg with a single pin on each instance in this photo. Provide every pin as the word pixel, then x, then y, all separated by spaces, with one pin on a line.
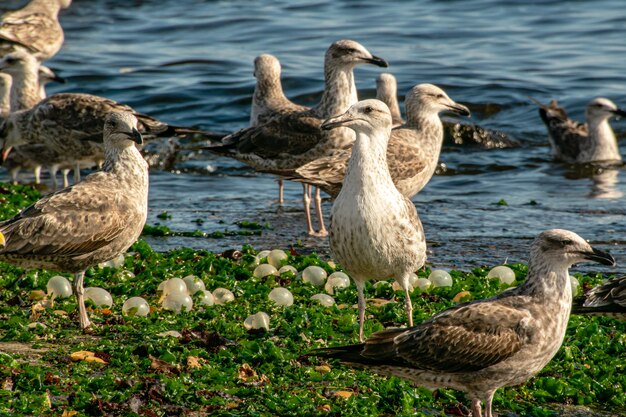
pixel 488 402
pixel 408 305
pixel 37 172
pixel 14 173
pixel 361 304
pixel 280 191
pixel 320 215
pixel 476 409
pixel 80 295
pixel 307 212
pixel 53 176
pixel 66 181
pixel 76 172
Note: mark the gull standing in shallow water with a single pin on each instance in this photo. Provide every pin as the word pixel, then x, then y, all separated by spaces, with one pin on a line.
pixel 480 346
pixel 374 231
pixel 35 28
pixel 92 221
pixel 574 142
pixel 413 150
pixel 268 99
pixel 607 299
pixel 290 140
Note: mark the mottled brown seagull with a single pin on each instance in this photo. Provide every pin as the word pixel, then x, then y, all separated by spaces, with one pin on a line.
pixel 92 221
pixel 413 150
pixel 387 92
pixel 573 142
pixel 35 28
pixel 607 299
pixel 290 140
pixel 269 99
pixel 375 232
pixel 480 346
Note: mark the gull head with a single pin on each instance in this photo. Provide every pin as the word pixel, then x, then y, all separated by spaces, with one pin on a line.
pixel 600 109
pixel 386 84
pixel 46 75
pixel 18 63
pixel 367 116
pixel 563 248
pixel 120 130
pixel 266 68
pixel 428 98
pixel 347 53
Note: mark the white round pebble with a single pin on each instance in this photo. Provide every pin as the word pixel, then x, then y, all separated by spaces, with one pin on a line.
pixel 336 280
pixel 113 263
pixel 124 275
pixel 575 285
pixel 194 284
pixel 504 273
pixel 287 268
pixel 281 296
pixel 440 278
pixel 276 257
pixel 177 302
pixel 175 286
pixel 223 296
pixel 264 270
pixel 262 254
pixel 423 283
pixel 315 275
pixel 413 280
pixel 259 320
pixel 59 287
pixel 99 296
pixel 135 306
pixel 206 298
pixel 396 287
pixel 324 299
pixel 381 284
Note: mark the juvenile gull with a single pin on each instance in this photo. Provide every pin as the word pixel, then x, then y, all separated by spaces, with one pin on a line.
pixel 374 231
pixel 92 221
pixel 480 346
pixel 28 79
pixel 574 142
pixel 269 100
pixel 35 28
pixel 413 149
pixel 607 299
pixel 387 92
pixel 290 140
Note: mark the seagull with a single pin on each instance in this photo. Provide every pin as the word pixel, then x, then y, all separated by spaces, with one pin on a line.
pixel 35 28
pixel 387 92
pixel 480 346
pixel 607 299
pixel 375 231
pixel 574 142
pixel 92 221
pixel 290 140
pixel 413 150
pixel 29 79
pixel 269 100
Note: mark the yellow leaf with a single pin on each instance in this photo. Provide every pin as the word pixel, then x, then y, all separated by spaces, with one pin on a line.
pixel 94 359
pixel 81 355
pixel 457 298
pixel 68 413
pixel 342 394
pixel 194 362
pixel 322 369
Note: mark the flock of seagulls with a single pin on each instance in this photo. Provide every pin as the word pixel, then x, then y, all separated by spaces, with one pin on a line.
pixel 362 153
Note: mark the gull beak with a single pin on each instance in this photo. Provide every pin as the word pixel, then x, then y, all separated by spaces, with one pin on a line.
pixel 58 79
pixel 5 152
pixel 599 256
pixel 459 109
pixel 377 61
pixel 136 137
pixel 336 121
pixel 619 112
pixel 3 242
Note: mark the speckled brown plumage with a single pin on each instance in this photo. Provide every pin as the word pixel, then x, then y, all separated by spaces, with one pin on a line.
pixel 480 346
pixel 34 27
pixel 607 299
pixel 90 222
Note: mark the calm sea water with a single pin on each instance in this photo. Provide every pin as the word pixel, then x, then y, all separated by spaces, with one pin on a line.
pixel 189 62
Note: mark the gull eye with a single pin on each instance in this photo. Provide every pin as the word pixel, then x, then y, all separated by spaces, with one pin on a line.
pixel 368 110
pixel 439 96
pixel 10 59
pixel 566 242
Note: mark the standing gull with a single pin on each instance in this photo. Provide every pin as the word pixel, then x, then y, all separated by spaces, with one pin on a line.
pixel 29 79
pixel 92 221
pixel 290 140
pixel 35 28
pixel 574 142
pixel 607 299
pixel 480 346
pixel 387 92
pixel 413 149
pixel 374 231
pixel 268 99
